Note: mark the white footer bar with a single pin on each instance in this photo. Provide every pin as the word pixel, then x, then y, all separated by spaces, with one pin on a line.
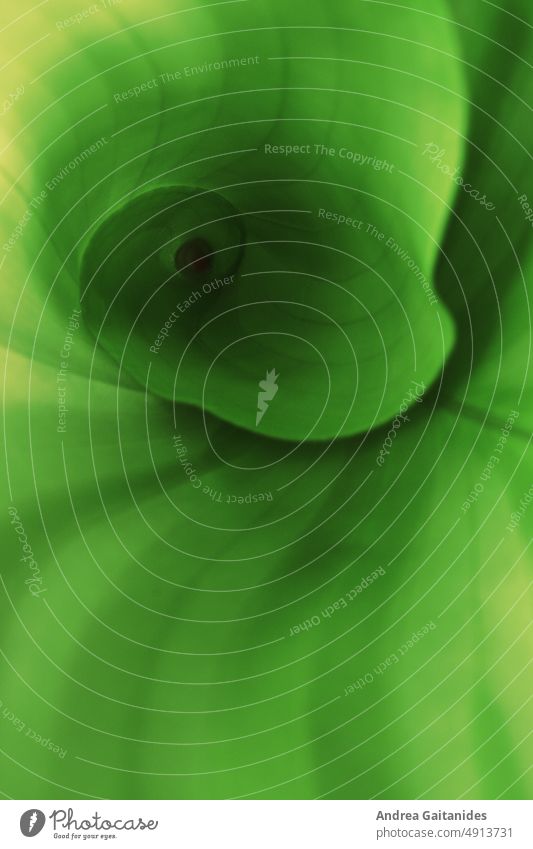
pixel 268 824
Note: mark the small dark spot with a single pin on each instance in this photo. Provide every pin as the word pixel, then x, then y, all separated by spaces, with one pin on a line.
pixel 194 257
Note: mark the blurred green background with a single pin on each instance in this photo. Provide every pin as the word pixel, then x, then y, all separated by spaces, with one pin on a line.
pixel 336 602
